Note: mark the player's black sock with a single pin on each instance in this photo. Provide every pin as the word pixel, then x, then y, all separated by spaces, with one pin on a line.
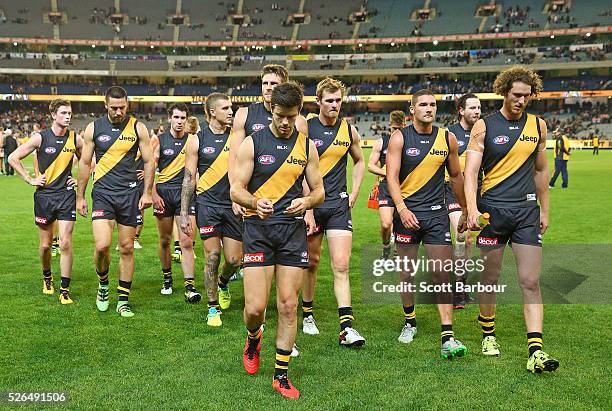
pixel 223 282
pixel 447 332
pixel 177 246
pixel 123 289
pixel 47 274
pixel 386 251
pixel 103 277
pixel 167 273
pixel 488 325
pixel 410 315
pixel 65 283
pixel 189 284
pixel 534 341
pixel 214 304
pixel 307 309
pixel 346 317
pixel 55 242
pixel 282 362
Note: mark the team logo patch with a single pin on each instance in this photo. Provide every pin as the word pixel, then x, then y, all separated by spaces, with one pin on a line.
pixel 209 229
pixel 257 127
pixel 50 150
pixel 97 213
pixel 304 256
pixel 208 150
pixel 404 239
pixel 460 143
pixel 158 210
pixel 317 142
pixel 266 159
pixel 501 140
pixel 488 241
pixel 255 257
pixel 454 206
pixel 40 220
pixel 383 202
pixel 413 152
pixel 168 152
pixel 104 138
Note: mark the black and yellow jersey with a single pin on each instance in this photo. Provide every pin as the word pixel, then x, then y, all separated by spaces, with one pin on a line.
pixel 562 148
pixel 258 118
pixel 332 143
pixel 595 141
pixel 171 164
pixel 213 162
pixel 54 158
pixel 508 161
pixel 382 158
pixel 116 146
pixel 279 166
pixel 463 138
pixel 421 174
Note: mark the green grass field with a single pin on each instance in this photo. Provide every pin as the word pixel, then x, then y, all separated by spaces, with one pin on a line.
pixel 166 356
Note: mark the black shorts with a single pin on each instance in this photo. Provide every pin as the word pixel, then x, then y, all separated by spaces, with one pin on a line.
pixel 270 244
pixel 433 230
pixel 451 200
pixel 218 222
pixel 120 207
pixel 172 202
pixel 333 219
pixel 141 187
pixel 519 225
pixel 384 199
pixel 60 205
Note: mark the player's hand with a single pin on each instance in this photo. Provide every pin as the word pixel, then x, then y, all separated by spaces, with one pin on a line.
pixel 145 201
pixel 462 224
pixel 297 207
pixel 543 222
pixel 238 209
pixel 265 208
pixel 81 206
pixel 409 219
pixel 311 224
pixel 472 220
pixel 352 200
pixel 185 225
pixel 140 174
pixel 158 202
pixel 39 181
pixel 71 182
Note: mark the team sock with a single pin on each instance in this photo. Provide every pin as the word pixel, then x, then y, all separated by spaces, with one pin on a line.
pixel 534 341
pixel 488 325
pixel 307 309
pixel 65 284
pixel 282 363
pixel 447 332
pixel 123 289
pixel 410 315
pixel 103 277
pixel 346 317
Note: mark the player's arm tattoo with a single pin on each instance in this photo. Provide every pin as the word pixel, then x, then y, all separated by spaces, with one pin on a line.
pixel 187 192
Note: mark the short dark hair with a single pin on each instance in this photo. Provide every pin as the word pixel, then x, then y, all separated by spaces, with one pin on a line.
pixel 179 107
pixel 289 94
pixel 211 100
pixel 277 69
pixel 115 92
pixel 463 101
pixel 397 117
pixel 422 92
pixel 57 103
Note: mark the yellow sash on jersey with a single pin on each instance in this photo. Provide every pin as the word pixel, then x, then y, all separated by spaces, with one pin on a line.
pixel 516 157
pixel 462 158
pixel 336 150
pixel 62 161
pixel 285 177
pixel 217 170
pixel 175 166
pixel 427 168
pixel 117 151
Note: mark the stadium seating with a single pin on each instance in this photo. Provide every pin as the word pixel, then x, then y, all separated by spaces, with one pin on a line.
pixel 328 19
pixel 271 26
pixel 208 21
pixel 25 19
pixel 155 12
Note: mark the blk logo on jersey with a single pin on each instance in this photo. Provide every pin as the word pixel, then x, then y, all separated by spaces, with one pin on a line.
pixel 266 159
pixel 104 138
pixel 413 151
pixel 168 152
pixel 254 258
pixel 317 142
pixel 501 140
pixel 257 127
pixel 50 150
pixel 208 150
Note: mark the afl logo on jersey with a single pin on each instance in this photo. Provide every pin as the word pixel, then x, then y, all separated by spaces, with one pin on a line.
pixel 50 150
pixel 104 138
pixel 317 142
pixel 501 140
pixel 413 151
pixel 266 159
pixel 460 143
pixel 257 127
pixel 168 152
pixel 208 150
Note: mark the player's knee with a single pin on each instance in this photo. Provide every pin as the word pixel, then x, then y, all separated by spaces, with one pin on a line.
pixel 313 262
pixel 65 244
pixel 165 241
pixel 126 248
pixel 386 226
pixel 530 283
pixel 287 307
pixel 233 262
pixel 102 248
pixel 45 247
pixel 254 311
pixel 185 243
pixel 341 269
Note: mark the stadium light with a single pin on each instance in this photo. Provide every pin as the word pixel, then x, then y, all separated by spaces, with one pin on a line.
pixel 360 44
pixel 588 34
pixel 151 45
pixel 552 36
pixel 392 44
pixel 435 42
pixel 329 45
pixel 93 46
pixel 273 46
pixel 15 43
pixel 122 46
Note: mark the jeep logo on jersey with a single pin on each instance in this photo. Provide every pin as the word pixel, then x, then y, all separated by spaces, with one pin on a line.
pixel 529 138
pixel 501 140
pixel 253 258
pixel 413 151
pixel 104 138
pixel 208 150
pixel 293 160
pixel 50 150
pixel 266 159
pixel 257 127
pixel 341 143
pixel 168 152
pixel 317 142
pixel 127 138
pixel 435 152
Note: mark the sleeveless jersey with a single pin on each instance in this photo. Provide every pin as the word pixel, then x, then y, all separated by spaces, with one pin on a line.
pixel 508 161
pixel 171 164
pixel 332 143
pixel 421 174
pixel 382 159
pixel 279 166
pixel 463 138
pixel 257 119
pixel 116 146
pixel 213 162
pixel 54 157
